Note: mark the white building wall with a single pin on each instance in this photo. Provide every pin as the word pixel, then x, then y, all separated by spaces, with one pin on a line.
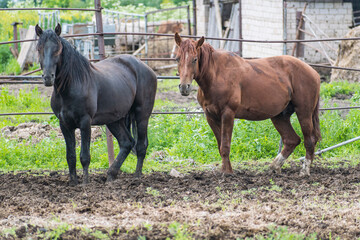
pixel 262 20
pixel 202 14
pixel 332 17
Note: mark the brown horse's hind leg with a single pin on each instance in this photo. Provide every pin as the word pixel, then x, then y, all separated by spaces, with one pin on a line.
pixel 290 140
pixel 309 142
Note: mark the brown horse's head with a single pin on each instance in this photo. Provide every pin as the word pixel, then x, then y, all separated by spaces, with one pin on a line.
pixel 188 64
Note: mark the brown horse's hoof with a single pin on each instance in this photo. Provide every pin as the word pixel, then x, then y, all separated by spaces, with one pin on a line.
pixel 276 165
pixel 304 173
pixel 275 168
pixel 227 172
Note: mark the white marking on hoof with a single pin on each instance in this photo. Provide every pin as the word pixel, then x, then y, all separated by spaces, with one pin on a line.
pixel 277 163
pixel 305 171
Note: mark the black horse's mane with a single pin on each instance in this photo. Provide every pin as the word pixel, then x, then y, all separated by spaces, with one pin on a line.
pixel 74 67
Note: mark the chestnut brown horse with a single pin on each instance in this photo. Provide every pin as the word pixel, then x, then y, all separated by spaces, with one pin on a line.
pixel 232 87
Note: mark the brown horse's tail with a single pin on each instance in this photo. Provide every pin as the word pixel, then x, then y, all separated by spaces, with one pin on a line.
pixel 316 122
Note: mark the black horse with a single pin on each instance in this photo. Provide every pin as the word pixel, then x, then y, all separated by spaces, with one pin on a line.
pixel 118 92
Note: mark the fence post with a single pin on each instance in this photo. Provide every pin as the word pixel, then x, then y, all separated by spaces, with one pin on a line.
pixel 101 46
pixel 188 19
pixel 194 18
pixel 16 49
pixel 240 30
pixel 300 46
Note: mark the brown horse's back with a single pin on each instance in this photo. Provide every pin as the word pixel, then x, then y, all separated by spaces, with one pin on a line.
pixel 262 88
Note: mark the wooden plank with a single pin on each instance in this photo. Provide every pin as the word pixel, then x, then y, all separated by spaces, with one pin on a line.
pixel 28 48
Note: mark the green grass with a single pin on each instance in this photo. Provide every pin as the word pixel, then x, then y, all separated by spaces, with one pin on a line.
pixel 177 137
pixel 282 233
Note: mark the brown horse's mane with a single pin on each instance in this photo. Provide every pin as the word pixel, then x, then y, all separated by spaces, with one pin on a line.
pixel 205 58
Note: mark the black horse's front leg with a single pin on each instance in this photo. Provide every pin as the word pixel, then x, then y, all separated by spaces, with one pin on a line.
pixel 69 136
pixel 85 131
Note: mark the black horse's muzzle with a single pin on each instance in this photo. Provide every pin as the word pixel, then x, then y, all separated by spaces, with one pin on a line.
pixel 48 79
pixel 185 89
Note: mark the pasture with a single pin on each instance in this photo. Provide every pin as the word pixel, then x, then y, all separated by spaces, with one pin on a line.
pixel 201 203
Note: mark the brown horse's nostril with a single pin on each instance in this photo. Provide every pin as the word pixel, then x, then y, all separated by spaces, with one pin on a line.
pixel 187 86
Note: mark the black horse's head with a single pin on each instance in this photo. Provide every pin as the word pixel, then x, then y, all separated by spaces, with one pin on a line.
pixel 49 48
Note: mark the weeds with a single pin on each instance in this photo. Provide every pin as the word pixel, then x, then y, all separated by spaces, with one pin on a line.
pixel 281 233
pixel 179 231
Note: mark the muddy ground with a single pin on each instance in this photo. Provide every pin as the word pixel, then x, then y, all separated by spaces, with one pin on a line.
pixel 214 206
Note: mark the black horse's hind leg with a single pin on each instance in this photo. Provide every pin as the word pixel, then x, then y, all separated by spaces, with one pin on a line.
pixel 141 143
pixel 126 143
pixel 69 136
pixel 85 131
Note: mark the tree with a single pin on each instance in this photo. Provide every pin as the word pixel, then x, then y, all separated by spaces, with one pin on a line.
pixel 4 3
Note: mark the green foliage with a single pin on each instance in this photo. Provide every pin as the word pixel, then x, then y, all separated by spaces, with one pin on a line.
pixel 329 90
pixel 4 3
pixel 109 4
pixel 24 101
pixel 56 233
pixel 5 55
pixel 179 231
pixel 12 67
pixel 281 233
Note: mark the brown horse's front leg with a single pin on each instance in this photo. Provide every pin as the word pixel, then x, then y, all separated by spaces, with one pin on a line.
pixel 227 124
pixel 215 125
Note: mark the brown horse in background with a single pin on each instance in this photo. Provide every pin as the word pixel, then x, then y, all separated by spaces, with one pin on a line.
pixel 232 87
pixel 170 26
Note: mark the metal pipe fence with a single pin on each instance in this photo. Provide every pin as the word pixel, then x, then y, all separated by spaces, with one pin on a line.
pixel 100 34
pixel 173 112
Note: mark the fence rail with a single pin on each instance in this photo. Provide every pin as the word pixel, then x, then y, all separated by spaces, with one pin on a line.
pixel 173 112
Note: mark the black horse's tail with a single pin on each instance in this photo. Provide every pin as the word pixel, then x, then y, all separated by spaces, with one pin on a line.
pixel 131 126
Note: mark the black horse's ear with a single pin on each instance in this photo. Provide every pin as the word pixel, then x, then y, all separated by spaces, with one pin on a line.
pixel 58 29
pixel 200 42
pixel 178 39
pixel 38 30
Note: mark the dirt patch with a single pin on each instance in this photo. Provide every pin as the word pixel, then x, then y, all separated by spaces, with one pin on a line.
pixel 36 132
pixel 214 206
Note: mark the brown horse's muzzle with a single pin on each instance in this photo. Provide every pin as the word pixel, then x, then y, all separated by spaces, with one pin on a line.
pixel 185 89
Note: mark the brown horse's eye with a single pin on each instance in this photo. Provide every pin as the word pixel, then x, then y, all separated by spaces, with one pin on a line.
pixel 195 59
pixel 177 59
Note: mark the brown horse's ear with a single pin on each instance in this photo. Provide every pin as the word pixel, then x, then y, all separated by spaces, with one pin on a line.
pixel 200 42
pixel 58 29
pixel 38 30
pixel 178 39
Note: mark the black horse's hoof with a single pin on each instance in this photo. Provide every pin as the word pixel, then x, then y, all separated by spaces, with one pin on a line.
pixel 137 175
pixel 73 183
pixel 110 179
